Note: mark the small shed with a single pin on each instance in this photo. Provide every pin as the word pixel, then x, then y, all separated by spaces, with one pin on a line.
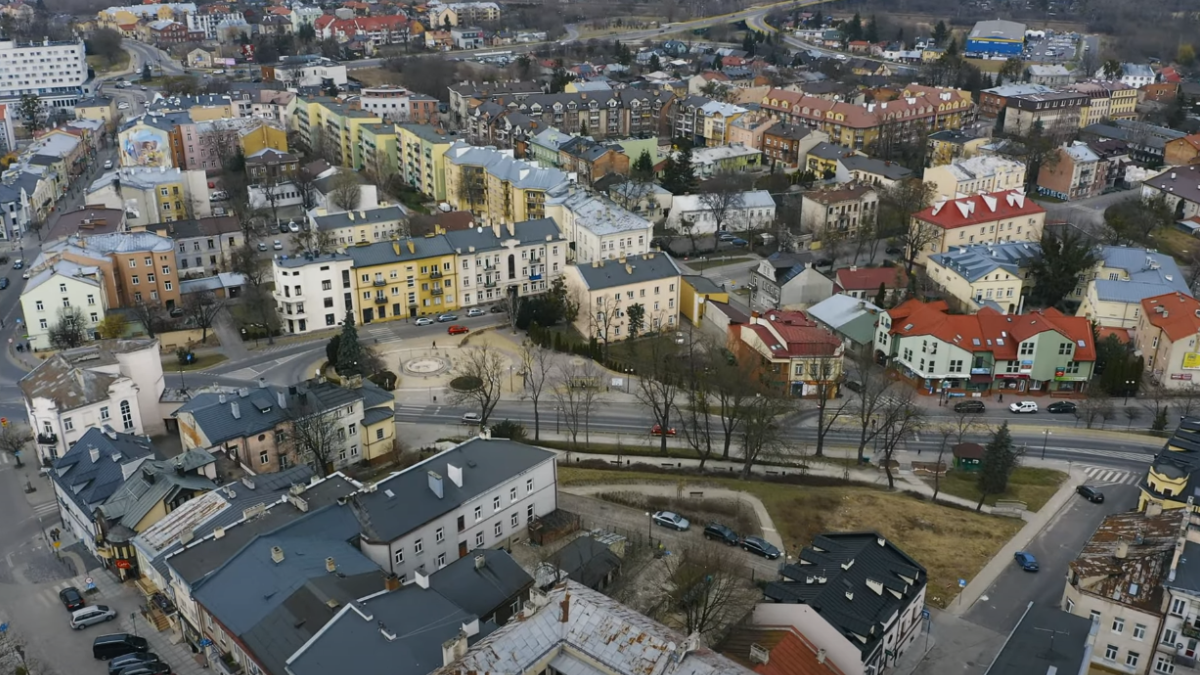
pixel 967 456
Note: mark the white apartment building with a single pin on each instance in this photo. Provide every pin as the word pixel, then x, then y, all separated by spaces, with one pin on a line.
pixel 313 292
pixel 975 175
pixel 606 290
pixel 389 102
pixel 55 72
pixel 309 71
pixel 208 23
pixel 481 494
pixel 113 382
pixel 597 228
pixel 521 258
pixel 750 210
pixel 62 285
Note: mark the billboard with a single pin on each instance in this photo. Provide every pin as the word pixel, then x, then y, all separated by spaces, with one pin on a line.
pixel 145 146
pixel 1191 361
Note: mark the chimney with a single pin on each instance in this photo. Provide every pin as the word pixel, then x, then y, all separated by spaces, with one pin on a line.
pixel 454 648
pixel 421 579
pixel 281 398
pixel 391 582
pixel 1122 551
pixel 262 383
pixel 235 410
pixel 566 607
pixel 821 654
pixel 435 483
pixel 480 561
pixel 276 554
pixel 455 474
pixel 330 565
pixel 221 398
pixel 94 453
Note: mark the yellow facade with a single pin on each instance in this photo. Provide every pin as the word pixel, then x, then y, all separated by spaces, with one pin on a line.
pixel 100 112
pixel 353 122
pixel 943 152
pixel 421 158
pixel 203 113
pixel 694 295
pixel 1096 110
pixel 378 150
pixel 404 278
pixel 172 200
pixel 263 137
pixel 1123 105
pixel 475 189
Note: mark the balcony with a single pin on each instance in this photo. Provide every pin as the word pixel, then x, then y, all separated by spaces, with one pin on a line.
pixel 380 281
pixel 381 300
pixel 47 439
pixel 489 283
pixel 535 277
pixel 435 274
pixel 436 291
pixel 1190 630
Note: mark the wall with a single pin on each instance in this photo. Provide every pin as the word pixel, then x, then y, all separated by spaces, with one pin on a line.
pixel 1085 603
pixel 838 650
pixel 172 340
pixel 42 411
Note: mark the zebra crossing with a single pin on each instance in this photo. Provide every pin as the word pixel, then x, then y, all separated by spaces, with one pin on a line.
pixel 48 596
pixel 1101 475
pixel 46 510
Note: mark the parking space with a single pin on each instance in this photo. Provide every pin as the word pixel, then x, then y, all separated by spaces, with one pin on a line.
pixel 1052 48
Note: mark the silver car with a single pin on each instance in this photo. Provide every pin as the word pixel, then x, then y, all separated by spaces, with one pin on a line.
pixel 672 520
pixel 82 618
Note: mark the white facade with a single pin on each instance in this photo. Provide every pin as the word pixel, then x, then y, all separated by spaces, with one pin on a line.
pixel 754 210
pixel 305 15
pixel 64 284
pixel 313 293
pixel 517 260
pixel 55 72
pixel 388 102
pixel 207 23
pixel 598 228
pixel 118 408
pixel 313 73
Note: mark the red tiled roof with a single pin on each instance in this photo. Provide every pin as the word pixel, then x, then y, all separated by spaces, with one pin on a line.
pixel 1122 333
pixel 1175 313
pixel 989 330
pixel 869 278
pixel 789 333
pixel 790 652
pixel 976 209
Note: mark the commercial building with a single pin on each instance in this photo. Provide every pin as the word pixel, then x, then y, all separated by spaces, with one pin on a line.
pixel 1057 113
pixel 55 72
pixel 313 292
pixel 397 104
pixel 1166 335
pixel 792 353
pixel 597 228
pixel 991 38
pixel 308 70
pixel 608 288
pixel 404 278
pixel 975 175
pixel 979 219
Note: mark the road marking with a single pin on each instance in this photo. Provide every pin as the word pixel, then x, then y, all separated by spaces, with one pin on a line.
pixel 1108 476
pixel 46 508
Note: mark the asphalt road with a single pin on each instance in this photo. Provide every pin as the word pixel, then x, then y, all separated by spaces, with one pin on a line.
pixel 1054 547
pixel 1086 212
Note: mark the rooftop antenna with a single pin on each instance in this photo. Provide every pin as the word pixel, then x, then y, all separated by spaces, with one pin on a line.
pixel 1050 654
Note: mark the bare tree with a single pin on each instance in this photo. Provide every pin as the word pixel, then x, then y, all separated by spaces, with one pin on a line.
pixel 14 438
pixel 313 433
pixel 1095 408
pixel 760 432
pixel 306 185
pixel 901 417
pixel 70 330
pixel 869 400
pixel 576 394
pixel 829 409
pixel 273 192
pixel 535 367
pixel 257 307
pixel 659 382
pixel 202 309
pixel 347 191
pixel 311 239
pixel 722 197
pixel 479 375
pixel 710 589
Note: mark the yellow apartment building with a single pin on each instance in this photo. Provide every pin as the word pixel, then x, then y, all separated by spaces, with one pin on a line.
pixel 404 278
pixel 496 187
pixel 421 158
pixel 378 151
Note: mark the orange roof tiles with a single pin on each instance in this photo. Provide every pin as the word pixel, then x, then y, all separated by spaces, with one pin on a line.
pixel 790 333
pixel 989 330
pixel 869 278
pixel 976 209
pixel 1175 313
pixel 790 652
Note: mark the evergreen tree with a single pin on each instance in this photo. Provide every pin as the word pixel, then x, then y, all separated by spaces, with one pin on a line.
pixel 643 167
pixel 872 32
pixel 679 176
pixel 854 29
pixel 748 42
pixel 655 63
pixel 350 357
pixel 999 460
pixel 952 48
pixel 940 33
pixel 881 296
pixel 146 75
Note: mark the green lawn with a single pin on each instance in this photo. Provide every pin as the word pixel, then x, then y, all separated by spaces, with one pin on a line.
pixel 1028 484
pixel 1178 245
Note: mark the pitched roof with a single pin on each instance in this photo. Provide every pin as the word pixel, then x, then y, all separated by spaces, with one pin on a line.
pixel 982 208
pixel 1134 579
pixel 388 252
pixel 978 260
pixel 637 269
pixel 790 652
pixel 790 333
pixel 97 464
pixel 68 378
pixel 989 330
pixel 1149 273
pixel 856 580
pixel 480 587
pixel 1178 315
pixel 155 482
pixel 889 170
pixel 542 230
pixel 383 214
pixel 869 278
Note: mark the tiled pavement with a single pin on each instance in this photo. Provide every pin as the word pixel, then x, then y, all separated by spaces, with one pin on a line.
pixel 179 656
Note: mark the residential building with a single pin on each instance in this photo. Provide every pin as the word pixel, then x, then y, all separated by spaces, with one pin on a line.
pixel 378 156
pixel 90 472
pixel 467 37
pixel 153 140
pixel 792 353
pixel 1117 582
pixel 483 493
pixel 843 208
pixel 870 171
pixel 165 32
pixel 1123 277
pixel 1179 641
pixel 1174 474
pixel 313 292
pixel 115 382
pixel 979 219
pixel 951 144
pixel 206 246
pixel 1184 150
pixel 1166 335
pixel 606 289
pixel 1132 74
pixel 409 277
pixel 1047 640
pixel 704 121
pixel 745 212
pixel 597 228
pixel 55 72
pixel 856 636
pixel 864 283
pixel 496 187
pixel 1079 173
pixel 496 114
pixel 134 266
pixel 748 129
pixel 995 38
pixel 124 15
pixel 590 161
pixel 994 100
pixel 56 290
pixel 716 160
pixel 787 281
pixel 975 175
pixel 1109 101
pixel 1146 142
pixel 995 275
pixel 420 157
pixel 695 295
pixel 149 195
pixel 307 70
pixel 1040 352
pixel 272 167
pixel 850 319
pixel 788 144
pixel 368 31
pixel 822 159
pixel 466 96
pixel 517 259
pixel 100 108
pixel 348 228
pixel 398 104
pixel 1180 186
pixel 1049 75
pixel 1057 113
pixel 207 23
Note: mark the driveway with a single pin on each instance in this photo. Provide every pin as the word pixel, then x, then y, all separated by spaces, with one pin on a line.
pixel 1086 213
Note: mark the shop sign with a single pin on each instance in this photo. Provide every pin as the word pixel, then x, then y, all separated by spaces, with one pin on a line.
pixel 981 371
pixel 123 564
pixel 1181 376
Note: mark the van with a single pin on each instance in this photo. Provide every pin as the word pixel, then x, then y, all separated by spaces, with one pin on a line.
pixel 86 616
pixel 113 645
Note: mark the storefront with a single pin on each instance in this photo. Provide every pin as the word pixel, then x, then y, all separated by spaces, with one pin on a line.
pixel 1015 382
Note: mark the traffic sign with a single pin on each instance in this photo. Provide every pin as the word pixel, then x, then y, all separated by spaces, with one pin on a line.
pixel 4 627
pixel 4 422
pixel 962 583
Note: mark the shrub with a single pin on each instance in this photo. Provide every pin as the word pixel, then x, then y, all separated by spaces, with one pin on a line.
pixel 509 429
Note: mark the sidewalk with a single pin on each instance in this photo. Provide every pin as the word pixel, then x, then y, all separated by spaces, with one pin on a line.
pixel 169 646
pixel 232 345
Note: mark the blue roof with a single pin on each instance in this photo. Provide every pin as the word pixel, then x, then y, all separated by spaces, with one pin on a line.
pixel 1150 273
pixel 90 482
pixel 976 261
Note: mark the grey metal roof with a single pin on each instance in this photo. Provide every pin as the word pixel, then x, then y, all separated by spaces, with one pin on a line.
pixel 481 589
pixel 636 270
pixel 387 252
pixel 1150 274
pixel 1187 572
pixel 1046 640
pixel 293 261
pixel 377 415
pixel 383 214
pixel 586 560
pixel 702 284
pixel 485 464
pixel 89 482
pixel 978 260
pixel 543 230
pixel 257 411
pixel 155 482
pixel 825 150
pixel 890 170
pixel 837 311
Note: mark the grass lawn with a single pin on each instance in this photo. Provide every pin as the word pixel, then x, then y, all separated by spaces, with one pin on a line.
pixel 203 361
pixel 951 543
pixel 1175 243
pixel 716 262
pixel 101 66
pixel 1028 484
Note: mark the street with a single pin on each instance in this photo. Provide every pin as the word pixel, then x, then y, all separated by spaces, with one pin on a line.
pixel 1085 213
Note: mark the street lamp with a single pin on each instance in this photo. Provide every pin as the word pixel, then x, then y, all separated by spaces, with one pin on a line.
pixel 649 523
pixel 1128 385
pixel 1045 439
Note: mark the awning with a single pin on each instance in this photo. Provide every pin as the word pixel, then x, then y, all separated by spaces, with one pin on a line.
pixel 981 378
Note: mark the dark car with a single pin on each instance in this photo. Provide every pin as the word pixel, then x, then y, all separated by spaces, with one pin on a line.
pixel 1091 494
pixel 761 547
pixel 3 283
pixel 893 250
pixel 1026 560
pixel 135 659
pixel 496 309
pixel 823 262
pixel 1061 407
pixel 969 407
pixel 152 668
pixel 853 385
pixel 721 533
pixel 118 644
pixel 71 598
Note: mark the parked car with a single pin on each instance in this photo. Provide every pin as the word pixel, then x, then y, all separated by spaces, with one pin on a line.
pixel 152 668
pixel 893 250
pixel 18 263
pixel 969 407
pixel 760 546
pixel 424 321
pixel 1024 407
pixel 278 245
pixel 3 283
pixel 725 236
pixel 113 645
pixel 121 662
pixel 1092 494
pixel 446 318
pixel 218 195
pixel 87 616
pixel 1026 560
pixel 657 430
pixel 718 532
pixel 123 105
pixel 672 520
pixel 293 227
pixel 457 330
pixel 108 164
pixel 475 311
pixel 853 385
pixel 262 245
pixel 1061 407
pixel 71 598
pixel 496 309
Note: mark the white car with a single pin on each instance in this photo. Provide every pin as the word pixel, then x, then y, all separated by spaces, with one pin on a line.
pixel 293 227
pixel 424 321
pixel 472 418
pixel 672 520
pixel 475 311
pixel 123 105
pixel 108 164
pixel 1024 407
pixel 278 245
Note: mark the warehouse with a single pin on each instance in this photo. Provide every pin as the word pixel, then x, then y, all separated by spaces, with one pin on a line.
pixel 996 38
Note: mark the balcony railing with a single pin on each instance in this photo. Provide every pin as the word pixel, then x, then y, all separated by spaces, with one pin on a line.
pixel 380 282
pixel 380 300
pixel 489 283
pixel 535 277
pixel 47 439
pixel 437 291
pixel 435 274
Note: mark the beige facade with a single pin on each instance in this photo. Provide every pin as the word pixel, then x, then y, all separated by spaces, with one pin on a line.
pixel 1166 335
pixel 975 175
pixel 980 219
pixel 606 289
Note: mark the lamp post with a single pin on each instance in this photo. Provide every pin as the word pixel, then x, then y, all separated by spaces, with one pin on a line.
pixel 1128 385
pixel 1045 439
pixel 649 523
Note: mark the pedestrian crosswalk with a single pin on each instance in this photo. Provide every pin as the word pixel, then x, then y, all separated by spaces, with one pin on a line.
pixel 47 511
pixel 48 596
pixel 1101 475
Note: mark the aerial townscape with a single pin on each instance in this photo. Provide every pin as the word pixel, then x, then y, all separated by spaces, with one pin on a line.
pixel 631 337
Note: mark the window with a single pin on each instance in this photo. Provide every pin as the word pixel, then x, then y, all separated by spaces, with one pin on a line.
pixel 1164 665
pixel 1118 625
pixel 167 286
pixel 136 281
pixel 478 513
pixel 104 413
pixel 418 547
pixel 440 535
pixel 1095 616
pixel 167 270
pixel 264 457
pixel 126 415
pixel 1139 631
pixel 42 323
pixel 529 486
pixel 441 560
pixel 529 514
pixel 1110 652
pixel 1132 658
pixel 39 305
pixel 1178 606
pixel 1170 637
pixel 1070 606
pixel 478 539
pixel 68 424
pixel 1064 348
pixel 512 495
pixel 379 434
pixel 514 520
pixel 398 556
pixel 495 504
pixel 149 262
pixel 132 262
pixel 1026 348
pixel 498 529
pixel 956 365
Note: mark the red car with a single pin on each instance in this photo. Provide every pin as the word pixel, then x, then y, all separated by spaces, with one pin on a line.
pixel 656 430
pixel 458 330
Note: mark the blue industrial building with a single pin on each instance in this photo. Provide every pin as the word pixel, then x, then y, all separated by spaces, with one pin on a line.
pixel 996 38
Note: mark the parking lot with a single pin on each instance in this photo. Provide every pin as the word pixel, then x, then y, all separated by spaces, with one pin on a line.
pixel 1054 48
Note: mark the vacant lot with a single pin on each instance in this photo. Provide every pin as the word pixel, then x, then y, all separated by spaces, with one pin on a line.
pixel 373 77
pixel 1179 245
pixel 951 543
pixel 1027 484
